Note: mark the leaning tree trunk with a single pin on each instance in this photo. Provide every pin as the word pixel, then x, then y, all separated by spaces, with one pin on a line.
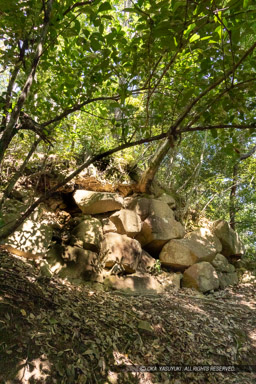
pixel 146 179
pixel 232 198
pixel 10 130
pixel 233 192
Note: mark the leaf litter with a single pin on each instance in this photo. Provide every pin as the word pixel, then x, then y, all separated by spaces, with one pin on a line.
pixel 52 331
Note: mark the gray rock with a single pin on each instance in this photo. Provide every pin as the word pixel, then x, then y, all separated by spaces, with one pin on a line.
pixel 221 264
pixel 79 263
pixel 146 263
pixel 227 279
pixel 168 199
pixel 145 207
pixel 108 226
pixel 170 280
pixel 205 237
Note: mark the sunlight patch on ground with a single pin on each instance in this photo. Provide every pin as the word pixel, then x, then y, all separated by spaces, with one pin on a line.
pixel 37 369
pixel 252 336
pixel 123 359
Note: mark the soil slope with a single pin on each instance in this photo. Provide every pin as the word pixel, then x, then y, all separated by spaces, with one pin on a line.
pixel 54 332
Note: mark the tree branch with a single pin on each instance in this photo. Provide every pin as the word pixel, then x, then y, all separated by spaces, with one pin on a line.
pixel 174 127
pixel 248 154
pixel 78 4
pixel 77 107
pixel 220 126
pixel 9 131
pixel 18 173
pixel 97 157
pixel 218 97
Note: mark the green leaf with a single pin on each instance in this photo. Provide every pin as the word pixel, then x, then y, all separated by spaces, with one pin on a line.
pixel 245 4
pixel 194 37
pixel 145 326
pixel 189 29
pixel 95 45
pixel 105 7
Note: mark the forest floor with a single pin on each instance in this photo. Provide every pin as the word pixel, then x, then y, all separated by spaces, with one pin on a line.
pixel 54 332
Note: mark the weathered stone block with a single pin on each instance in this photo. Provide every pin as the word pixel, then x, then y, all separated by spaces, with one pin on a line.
pixel 87 234
pixel 121 249
pixel 182 253
pixel 127 222
pixel 146 262
pixel 134 283
pixel 227 279
pixel 157 231
pixel 79 263
pixel 231 243
pixel 145 207
pixel 221 264
pixel 97 202
pixel 201 276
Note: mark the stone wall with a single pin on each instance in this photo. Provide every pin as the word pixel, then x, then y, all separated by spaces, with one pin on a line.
pixel 123 242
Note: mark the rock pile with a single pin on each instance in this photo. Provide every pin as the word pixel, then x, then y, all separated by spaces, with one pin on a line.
pixel 136 235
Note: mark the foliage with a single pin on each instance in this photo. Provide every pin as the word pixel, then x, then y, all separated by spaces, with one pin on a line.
pixel 92 77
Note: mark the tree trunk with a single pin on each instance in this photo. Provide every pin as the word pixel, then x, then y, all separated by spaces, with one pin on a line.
pixel 148 175
pixel 10 129
pixel 19 173
pixel 233 192
pixel 232 198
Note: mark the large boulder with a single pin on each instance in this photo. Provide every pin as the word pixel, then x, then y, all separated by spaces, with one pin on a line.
pixel 182 253
pixel 122 250
pixel 134 284
pixel 231 244
pixel 221 264
pixel 157 231
pixel 87 234
pixel 201 276
pixel 206 238
pixel 92 203
pixel 144 207
pixel 127 222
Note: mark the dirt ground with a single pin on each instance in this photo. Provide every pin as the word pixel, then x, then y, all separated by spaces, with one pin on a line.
pixel 54 332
